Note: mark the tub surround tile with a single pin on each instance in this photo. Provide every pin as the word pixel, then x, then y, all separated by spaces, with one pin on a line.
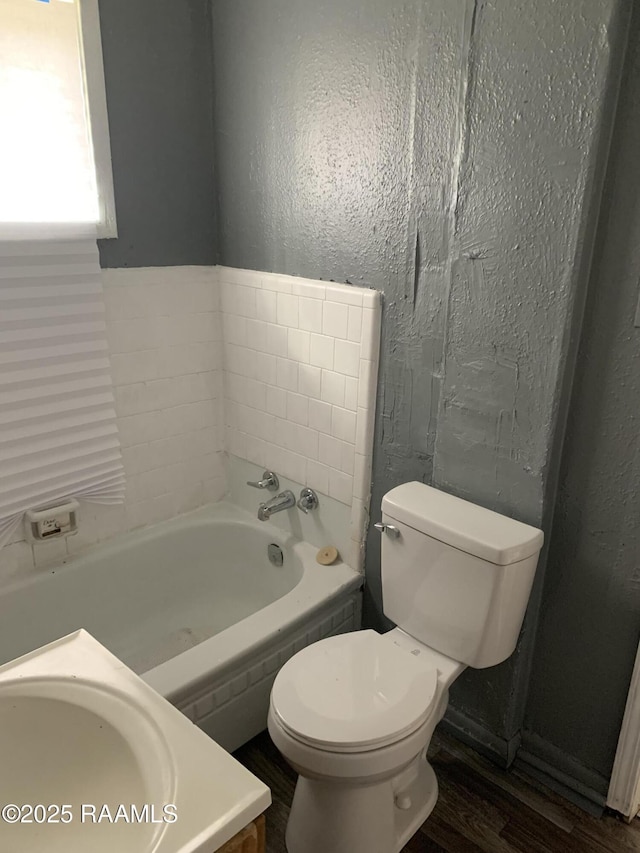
pixel 16 560
pixel 325 341
pixel 277 370
pixel 165 335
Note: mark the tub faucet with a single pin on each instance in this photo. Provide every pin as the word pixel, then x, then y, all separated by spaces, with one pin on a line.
pixel 285 500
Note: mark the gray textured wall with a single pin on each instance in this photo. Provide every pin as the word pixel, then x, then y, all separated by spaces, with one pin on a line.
pixel 589 624
pixel 445 153
pixel 157 61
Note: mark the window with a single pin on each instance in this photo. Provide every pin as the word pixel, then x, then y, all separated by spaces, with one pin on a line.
pixel 55 160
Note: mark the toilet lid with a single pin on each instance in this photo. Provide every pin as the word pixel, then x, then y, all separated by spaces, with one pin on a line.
pixel 354 691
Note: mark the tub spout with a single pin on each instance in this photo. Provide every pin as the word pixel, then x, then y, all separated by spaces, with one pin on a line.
pixel 285 500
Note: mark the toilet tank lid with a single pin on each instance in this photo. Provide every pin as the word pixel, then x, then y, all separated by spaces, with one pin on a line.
pixel 462 524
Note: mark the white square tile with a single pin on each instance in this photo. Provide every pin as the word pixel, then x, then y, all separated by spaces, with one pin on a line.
pixel 47 553
pixel 308 288
pixel 228 301
pixel 354 324
pixel 256 450
pixel 345 293
pixel 370 342
pixel 347 358
pixel 310 314
pixel 343 424
pixel 362 476
pixel 318 476
pixel 266 306
pixel 283 432
pixel 297 408
pixel 239 360
pixel 134 335
pixel 237 275
pixel 367 384
pixel 234 329
pixel 276 401
pixel 287 374
pixel 17 558
pixel 309 378
pixel 293 466
pixel 304 441
pixel 245 299
pixel 256 394
pixel 236 387
pixel 355 557
pixel 277 283
pixel 341 486
pixel 320 416
pixel 347 462
pixel 364 431
pixel 277 340
pixel 358 518
pixel 265 368
pixel 299 345
pixel 370 298
pixel 351 393
pixel 235 442
pixel 256 332
pixel 335 319
pixel 134 367
pixel 287 313
pixel 330 451
pixel 332 388
pixel 321 351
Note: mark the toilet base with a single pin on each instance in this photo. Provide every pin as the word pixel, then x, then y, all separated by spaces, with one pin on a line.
pixel 342 818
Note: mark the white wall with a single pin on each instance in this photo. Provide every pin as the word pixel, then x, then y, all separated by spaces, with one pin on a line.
pixel 163 327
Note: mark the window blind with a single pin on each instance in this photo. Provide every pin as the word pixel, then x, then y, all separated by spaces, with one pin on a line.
pixel 58 432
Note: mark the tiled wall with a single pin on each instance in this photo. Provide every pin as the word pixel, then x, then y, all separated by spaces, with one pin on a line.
pixel 163 327
pixel 301 361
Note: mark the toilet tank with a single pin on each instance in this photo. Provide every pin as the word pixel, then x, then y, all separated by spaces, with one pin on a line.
pixel 458 576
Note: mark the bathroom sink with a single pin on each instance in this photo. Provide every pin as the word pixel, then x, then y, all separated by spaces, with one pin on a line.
pixel 84 746
pixel 93 759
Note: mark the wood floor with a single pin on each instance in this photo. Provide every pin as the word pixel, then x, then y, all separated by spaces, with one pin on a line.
pixel 480 808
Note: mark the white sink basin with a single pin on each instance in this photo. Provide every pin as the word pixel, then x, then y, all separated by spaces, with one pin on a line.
pixel 79 744
pixel 92 759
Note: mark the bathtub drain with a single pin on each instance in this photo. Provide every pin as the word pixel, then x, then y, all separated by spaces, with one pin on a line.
pixel 274 552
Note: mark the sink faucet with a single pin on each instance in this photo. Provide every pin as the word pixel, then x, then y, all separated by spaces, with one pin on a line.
pixel 285 500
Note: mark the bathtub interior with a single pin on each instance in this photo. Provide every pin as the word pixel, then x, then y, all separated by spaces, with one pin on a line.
pixel 150 596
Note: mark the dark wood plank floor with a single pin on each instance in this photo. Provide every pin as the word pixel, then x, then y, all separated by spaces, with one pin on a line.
pixel 480 808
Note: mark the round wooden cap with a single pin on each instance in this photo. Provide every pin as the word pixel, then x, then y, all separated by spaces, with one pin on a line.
pixel 327 556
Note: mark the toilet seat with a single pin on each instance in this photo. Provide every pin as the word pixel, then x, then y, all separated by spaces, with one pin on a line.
pixel 353 693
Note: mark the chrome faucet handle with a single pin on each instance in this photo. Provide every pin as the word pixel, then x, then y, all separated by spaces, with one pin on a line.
pixel 269 481
pixel 308 500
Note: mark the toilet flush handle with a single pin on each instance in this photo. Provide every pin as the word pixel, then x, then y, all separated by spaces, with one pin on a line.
pixel 389 529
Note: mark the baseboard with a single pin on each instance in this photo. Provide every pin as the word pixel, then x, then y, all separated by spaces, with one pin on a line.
pixel 536 757
pixel 562 773
pixel 499 750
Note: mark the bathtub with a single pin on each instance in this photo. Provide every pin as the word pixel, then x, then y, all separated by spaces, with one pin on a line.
pixel 194 606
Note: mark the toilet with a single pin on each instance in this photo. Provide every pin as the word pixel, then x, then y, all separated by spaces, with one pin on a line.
pixel 353 714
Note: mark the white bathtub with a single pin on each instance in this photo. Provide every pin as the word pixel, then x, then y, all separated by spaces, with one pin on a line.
pixel 195 606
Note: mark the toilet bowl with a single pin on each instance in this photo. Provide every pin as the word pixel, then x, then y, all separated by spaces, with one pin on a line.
pixel 354 714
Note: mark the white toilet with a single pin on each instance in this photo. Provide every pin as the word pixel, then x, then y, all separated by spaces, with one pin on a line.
pixel 354 714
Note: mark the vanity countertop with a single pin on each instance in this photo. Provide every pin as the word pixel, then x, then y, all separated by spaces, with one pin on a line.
pixel 213 796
